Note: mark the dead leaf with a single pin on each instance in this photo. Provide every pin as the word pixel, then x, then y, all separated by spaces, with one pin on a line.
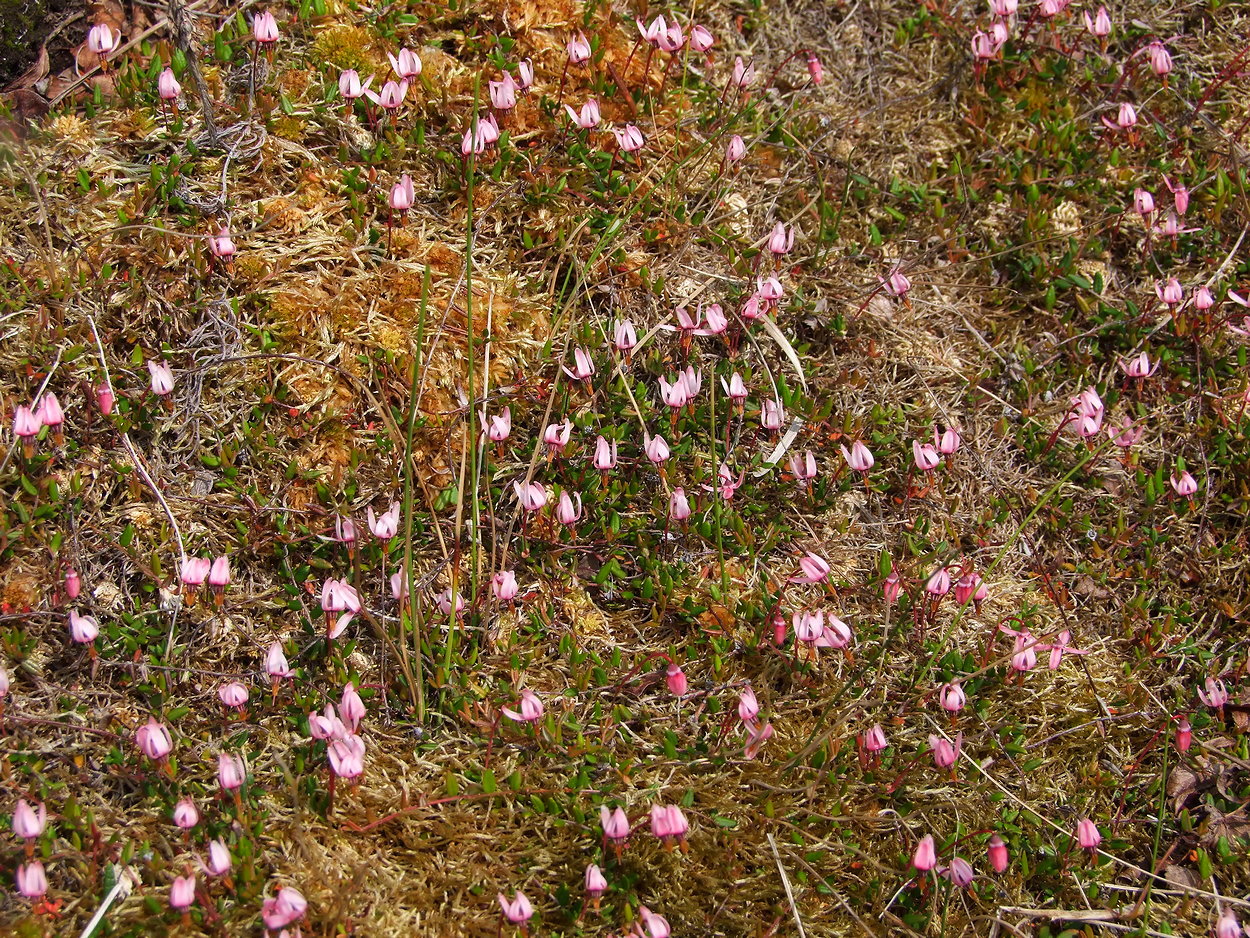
pixel 1182 784
pixel 37 72
pixel 1181 876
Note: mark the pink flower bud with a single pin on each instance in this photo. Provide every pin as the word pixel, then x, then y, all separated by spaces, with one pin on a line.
pixel 230 771
pixel 1087 834
pixel 28 822
pixel 615 824
pixel 892 587
pixel 265 28
pixel 925 857
pixel 1184 735
pixel 233 694
pixel 32 882
pixel 186 815
pixel 504 586
pixel 167 85
pixel 153 740
pixel 105 399
pixel 219 859
pixel 998 854
pixel 675 678
pixel 73 583
pixel 596 884
pixel 735 150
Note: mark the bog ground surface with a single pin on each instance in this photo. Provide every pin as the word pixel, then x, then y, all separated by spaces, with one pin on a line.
pixel 790 457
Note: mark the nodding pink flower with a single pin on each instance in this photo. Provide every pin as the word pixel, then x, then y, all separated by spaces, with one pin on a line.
pixel 803 465
pixel 874 739
pixel 287 908
pixel 615 824
pixel 925 455
pixel 407 65
pixel 757 735
pixel 186 814
pixel 402 195
pixel 392 95
pixel 327 726
pixel 264 28
pixel 1160 58
pixel 1087 834
pixel 105 398
pixel 1062 647
pixel 1100 25
pixel 519 910
pixel 153 740
pixel 1180 195
pixel 219 574
pixel 1004 8
pixel 1171 292
pixel 588 118
pixel 399 584
pixel 780 242
pixel 769 289
pixel 1024 657
pixel 743 74
pixel 837 634
pixel 735 150
pixel 897 284
pixel 657 925
pixel 668 822
pixel 605 454
pixel 50 414
pixel 101 40
pixel 701 38
pixel 735 388
pixel 82 629
pixel 753 308
pixel 812 569
pixel 339 595
pixel 675 678
pixel 939 583
pixel 445 603
pixel 999 33
pixel 1170 227
pixel 967 586
pixel 596 884
pixel 808 626
pixel 1126 118
pixel 569 508
pixel 182 892
pixel 997 851
pixel 960 872
pixel 672 40
pixel 748 705
pixel 530 708
pixel 498 426
pixel 578 49
pixel 687 325
pixel 350 86
pixel 1228 926
pixel 386 525
pixel 219 860
pixel 1184 484
pixel 656 449
pixel 629 138
pixel 624 336
pixel 32 882
pixel 771 414
pixel 947 441
pixel 952 698
pixel 983 47
pixel 1214 694
pixel 1126 433
pixel 474 142
pixel 1143 203
pixel 945 754
pixel 26 425
pixel 925 857
pixel 1140 366
pixel 693 379
pixel 726 484
pixel 892 587
pixel 504 585
pixel 194 571
pixel 815 70
pixel 233 694
pixel 557 435
pixel 1051 8
pixel 583 366
pixel 347 756
pixel 28 822
pixel 344 531
pixel 167 85
pixel 276 665
pixel 858 457
pixel 678 505
pixel 524 74
pixel 162 378
pixel 717 321
pixel 230 771
pixel 503 93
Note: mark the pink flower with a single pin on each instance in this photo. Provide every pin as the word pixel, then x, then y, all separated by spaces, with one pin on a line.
pixel 1214 694
pixel 874 739
pixel 858 457
pixel 693 379
pixel 1126 118
pixel 983 47
pixel 757 735
pixel 162 378
pixel 578 49
pixel 1139 367
pixel 656 449
pixel 701 38
pixel 1160 58
pixel 407 65
pixel 945 754
pixel 1171 293
pixel 1100 26
pixel 815 70
pixel 897 284
pixel 925 455
pixel 967 586
pixel 1143 203
pixel 101 40
pixel 219 245
pixel 219 859
pixel 1003 8
pixel 402 195
pixel 717 321
pixel 771 414
pixel 837 634
pixel 1087 834
pixel 557 435
pixel 153 740
pixel 105 399
pixel 26 424
pixel 751 309
pixel 287 908
pixel 186 815
pixel 583 366
pixel 28 822
pixel 569 508
pixel 182 893
pixel 951 697
pixel 726 484
pixel 998 853
pixel 769 288
pixel 1228 926
pixel 399 585
pixel 735 150
pixel 504 586
pixel 1184 484
pixel 532 496
pixel 672 40
pixel 344 531
pixel 803 465
pixel 657 925
pixel 812 569
pixel 350 86
pixel 1180 195
pixel 264 28
pixel 503 93
pixel 939 583
pixel 531 708
pixel 678 505
pixel 743 74
pixel 32 882
pixel 604 458
pixel 391 96
pixel 892 587
pixel 525 74
pixel 276 665
pixel 219 573
pixel 233 694
pixel 347 756
pixel 629 138
pixel 779 242
pixel 1024 658
pixel 1061 648
pixel 808 626
pixel 499 426
pixel 615 824
pixel 735 388
pixel 386 525
pixel 73 583
pixel 675 678
pixel 596 884
pixel 339 595
pixel 519 910
pixel 194 571
pixel 947 441
pixel 325 726
pixel 748 706
pixel 230 771
pixel 588 118
pixel 925 857
pixel 82 629
pixel 624 336
pixel 960 872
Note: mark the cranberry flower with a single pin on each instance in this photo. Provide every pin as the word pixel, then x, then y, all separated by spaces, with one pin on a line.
pixel 530 708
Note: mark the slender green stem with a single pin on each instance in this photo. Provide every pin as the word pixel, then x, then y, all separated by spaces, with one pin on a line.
pixel 474 540
pixel 418 673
